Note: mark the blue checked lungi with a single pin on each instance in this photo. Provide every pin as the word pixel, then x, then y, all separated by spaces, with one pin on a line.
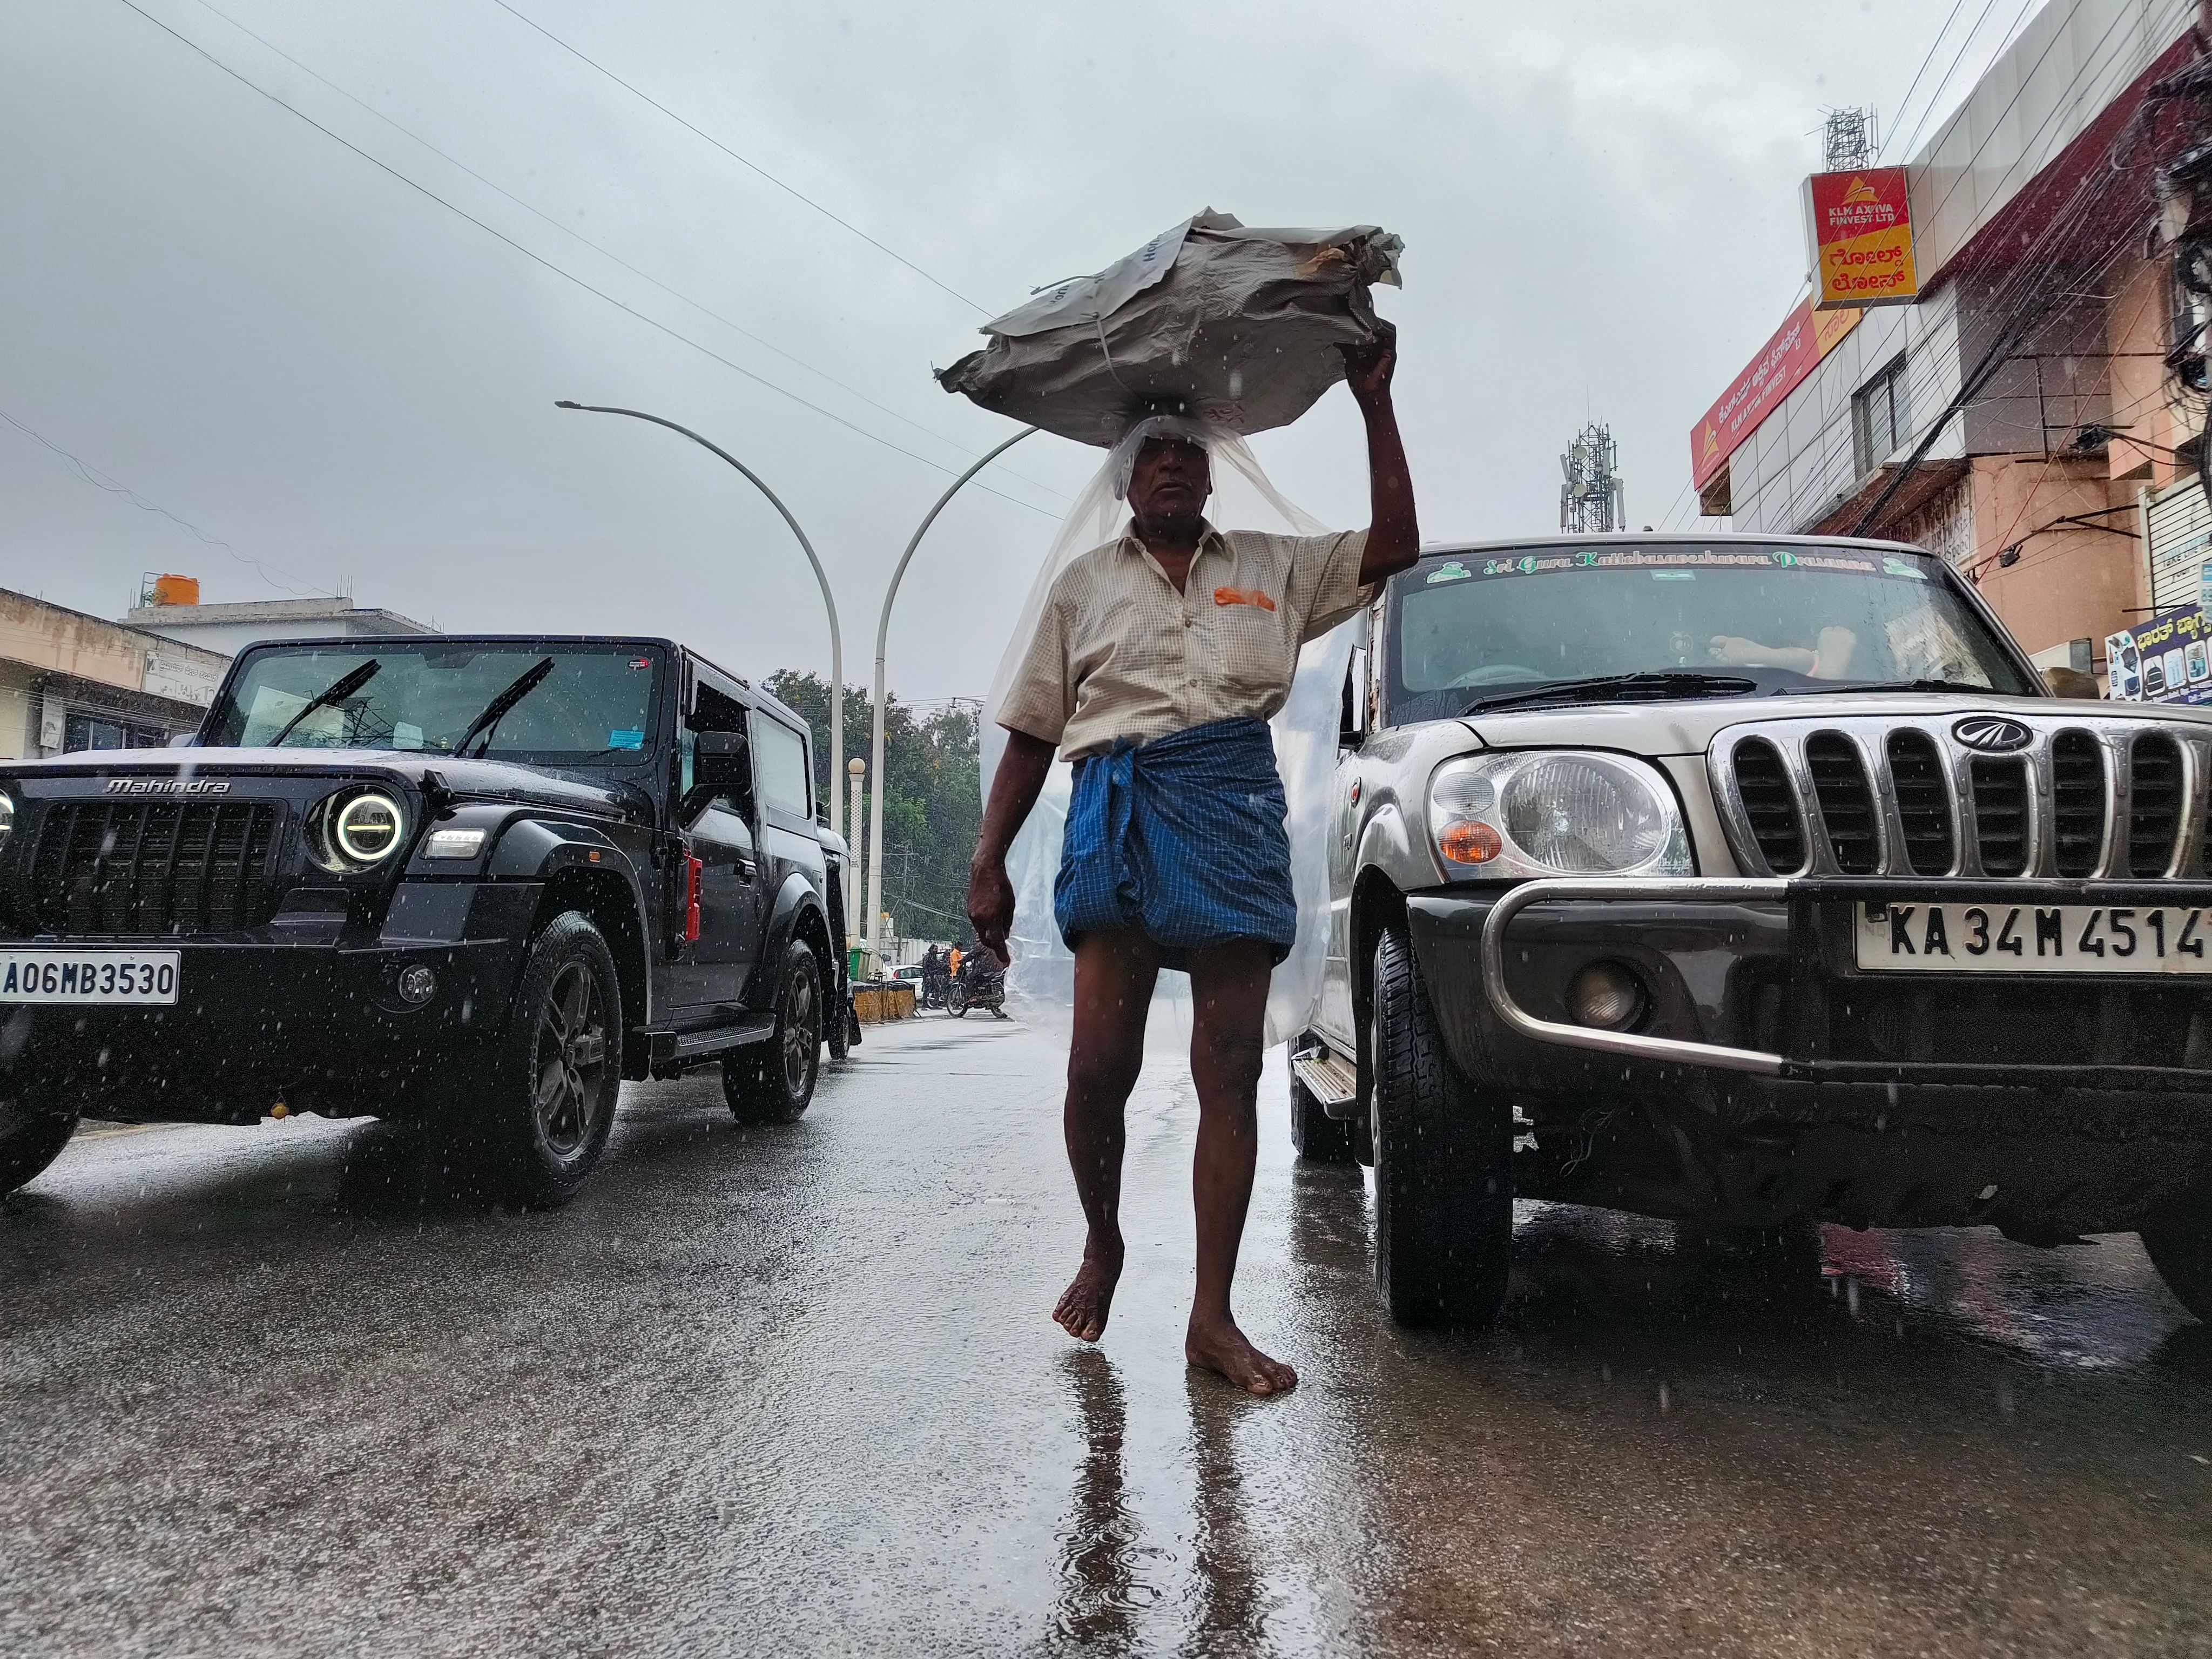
pixel 1181 837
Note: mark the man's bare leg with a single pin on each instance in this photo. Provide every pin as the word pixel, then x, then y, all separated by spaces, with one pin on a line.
pixel 1114 976
pixel 1229 1004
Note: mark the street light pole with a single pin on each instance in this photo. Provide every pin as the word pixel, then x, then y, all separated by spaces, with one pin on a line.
pixel 836 643
pixel 883 630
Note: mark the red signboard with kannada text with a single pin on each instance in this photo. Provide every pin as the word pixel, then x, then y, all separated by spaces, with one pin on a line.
pixel 1779 370
pixel 1859 227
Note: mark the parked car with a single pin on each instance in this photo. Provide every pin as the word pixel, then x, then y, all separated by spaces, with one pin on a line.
pixel 469 882
pixel 1743 880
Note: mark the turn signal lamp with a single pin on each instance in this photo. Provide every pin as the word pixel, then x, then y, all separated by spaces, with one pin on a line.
pixel 1469 841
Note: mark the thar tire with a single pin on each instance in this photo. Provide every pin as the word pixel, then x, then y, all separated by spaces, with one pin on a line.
pixel 32 1134
pixel 540 1100
pixel 1443 1171
pixel 1315 1136
pixel 772 1082
pixel 2180 1248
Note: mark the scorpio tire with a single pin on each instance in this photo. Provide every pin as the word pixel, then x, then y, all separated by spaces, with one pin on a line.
pixel 1443 1171
pixel 772 1082
pixel 32 1136
pixel 1315 1136
pixel 540 1101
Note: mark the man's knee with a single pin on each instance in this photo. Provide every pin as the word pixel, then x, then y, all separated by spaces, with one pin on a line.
pixel 1231 1059
pixel 1102 1077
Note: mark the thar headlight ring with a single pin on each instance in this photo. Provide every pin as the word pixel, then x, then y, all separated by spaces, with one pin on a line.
pixel 357 830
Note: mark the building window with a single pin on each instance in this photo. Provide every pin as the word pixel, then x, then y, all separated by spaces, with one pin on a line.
pixel 103 732
pixel 1878 416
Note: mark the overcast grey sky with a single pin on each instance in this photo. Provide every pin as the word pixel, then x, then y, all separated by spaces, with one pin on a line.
pixel 214 304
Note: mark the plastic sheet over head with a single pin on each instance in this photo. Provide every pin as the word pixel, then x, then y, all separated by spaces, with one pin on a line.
pixel 1244 324
pixel 1041 983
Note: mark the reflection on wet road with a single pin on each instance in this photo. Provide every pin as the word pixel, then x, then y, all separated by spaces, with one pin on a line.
pixel 794 1390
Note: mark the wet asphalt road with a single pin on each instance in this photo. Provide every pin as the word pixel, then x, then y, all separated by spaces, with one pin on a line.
pixel 794 1390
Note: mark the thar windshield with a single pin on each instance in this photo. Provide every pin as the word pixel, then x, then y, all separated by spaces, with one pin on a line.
pixel 593 704
pixel 1472 627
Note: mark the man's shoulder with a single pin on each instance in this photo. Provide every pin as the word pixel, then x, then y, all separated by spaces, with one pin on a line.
pixel 1278 544
pixel 1086 566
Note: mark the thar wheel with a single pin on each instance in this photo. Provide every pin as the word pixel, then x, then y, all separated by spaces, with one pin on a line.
pixel 32 1133
pixel 1315 1135
pixel 2180 1248
pixel 772 1082
pixel 541 1100
pixel 1444 1162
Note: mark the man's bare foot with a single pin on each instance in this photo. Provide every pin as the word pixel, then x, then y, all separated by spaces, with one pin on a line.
pixel 1089 1297
pixel 1223 1348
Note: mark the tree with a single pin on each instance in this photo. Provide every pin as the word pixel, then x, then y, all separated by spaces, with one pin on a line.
pixel 932 796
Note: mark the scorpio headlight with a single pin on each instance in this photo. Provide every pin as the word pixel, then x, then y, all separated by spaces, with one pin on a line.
pixel 7 817
pixel 1555 813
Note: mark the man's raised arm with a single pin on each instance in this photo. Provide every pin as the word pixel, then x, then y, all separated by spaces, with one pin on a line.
pixel 1393 533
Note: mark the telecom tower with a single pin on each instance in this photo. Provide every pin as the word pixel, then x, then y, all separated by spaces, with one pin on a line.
pixel 1593 499
pixel 1848 141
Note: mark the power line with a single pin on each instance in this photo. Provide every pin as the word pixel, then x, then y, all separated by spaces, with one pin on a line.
pixel 565 275
pixel 100 480
pixel 2026 287
pixel 742 161
pixel 600 248
pixel 1905 102
pixel 1957 58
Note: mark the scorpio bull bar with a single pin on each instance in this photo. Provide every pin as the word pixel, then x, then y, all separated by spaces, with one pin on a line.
pixel 1705 889
pixel 1714 1056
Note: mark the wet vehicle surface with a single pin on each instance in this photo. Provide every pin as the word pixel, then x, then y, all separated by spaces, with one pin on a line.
pixel 793 1387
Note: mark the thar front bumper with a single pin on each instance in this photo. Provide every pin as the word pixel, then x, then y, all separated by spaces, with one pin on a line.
pixel 307 1009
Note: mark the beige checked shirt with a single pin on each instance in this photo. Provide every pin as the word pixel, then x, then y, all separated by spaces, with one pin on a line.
pixel 1120 654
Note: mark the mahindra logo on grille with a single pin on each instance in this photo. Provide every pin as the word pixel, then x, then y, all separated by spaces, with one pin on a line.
pixel 167 787
pixel 1993 734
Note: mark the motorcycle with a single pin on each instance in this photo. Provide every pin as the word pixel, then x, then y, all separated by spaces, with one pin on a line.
pixel 979 984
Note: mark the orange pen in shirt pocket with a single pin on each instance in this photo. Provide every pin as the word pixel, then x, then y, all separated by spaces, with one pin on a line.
pixel 1243 596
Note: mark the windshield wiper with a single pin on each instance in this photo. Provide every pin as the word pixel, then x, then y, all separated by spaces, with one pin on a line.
pixel 1899 686
pixel 337 691
pixel 499 708
pixel 1649 687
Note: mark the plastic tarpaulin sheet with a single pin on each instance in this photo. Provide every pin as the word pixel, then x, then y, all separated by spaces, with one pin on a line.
pixel 1041 982
pixel 1240 327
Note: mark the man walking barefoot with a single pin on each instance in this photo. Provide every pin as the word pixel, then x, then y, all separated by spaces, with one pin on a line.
pixel 1156 662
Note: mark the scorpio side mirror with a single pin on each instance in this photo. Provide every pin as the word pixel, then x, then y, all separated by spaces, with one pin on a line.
pixel 1352 712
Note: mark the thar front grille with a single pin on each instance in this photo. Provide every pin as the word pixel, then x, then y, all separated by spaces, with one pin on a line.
pixel 155 868
pixel 2108 796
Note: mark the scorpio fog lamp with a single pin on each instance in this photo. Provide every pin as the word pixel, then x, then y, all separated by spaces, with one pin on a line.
pixel 1555 813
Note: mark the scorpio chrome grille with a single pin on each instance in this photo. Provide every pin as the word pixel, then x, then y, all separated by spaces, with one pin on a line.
pixel 2015 794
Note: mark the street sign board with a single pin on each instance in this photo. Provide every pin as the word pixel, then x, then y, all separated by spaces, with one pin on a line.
pixel 1859 228
pixel 1780 369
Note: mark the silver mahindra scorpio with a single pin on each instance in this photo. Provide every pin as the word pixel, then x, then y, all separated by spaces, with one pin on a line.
pixel 1748 881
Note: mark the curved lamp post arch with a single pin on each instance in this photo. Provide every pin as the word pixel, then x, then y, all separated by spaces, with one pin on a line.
pixel 836 643
pixel 876 752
